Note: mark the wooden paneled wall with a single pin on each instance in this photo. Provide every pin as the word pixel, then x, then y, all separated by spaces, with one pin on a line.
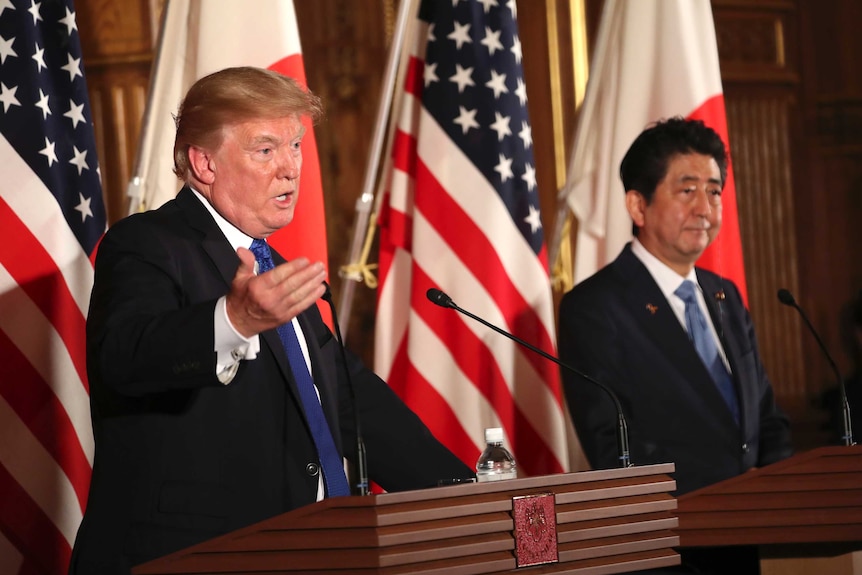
pixel 762 85
pixel 793 86
pixel 117 43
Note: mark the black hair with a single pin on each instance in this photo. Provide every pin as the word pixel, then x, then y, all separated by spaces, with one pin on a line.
pixel 647 159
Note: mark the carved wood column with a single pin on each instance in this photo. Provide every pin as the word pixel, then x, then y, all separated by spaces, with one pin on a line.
pixel 757 43
pixel 117 44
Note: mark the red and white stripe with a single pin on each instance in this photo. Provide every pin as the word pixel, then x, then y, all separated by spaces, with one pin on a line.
pixel 443 225
pixel 46 452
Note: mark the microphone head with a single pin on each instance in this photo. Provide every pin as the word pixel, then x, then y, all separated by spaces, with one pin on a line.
pixel 327 295
pixel 437 297
pixel 785 297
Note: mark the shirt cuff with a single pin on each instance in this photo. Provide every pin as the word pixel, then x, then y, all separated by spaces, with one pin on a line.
pixel 230 346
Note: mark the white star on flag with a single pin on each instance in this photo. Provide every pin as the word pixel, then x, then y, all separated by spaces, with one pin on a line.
pixel 75 113
pixel 462 213
pixel 461 35
pixel 6 49
pixel 53 218
pixel 497 83
pixel 526 134
pixel 48 152
pixel 491 41
pixel 430 74
pixel 516 49
pixel 504 168
pixel 39 58
pixel 466 119
pixel 521 92
pixel 463 77
pixel 501 126
pixel 73 66
pixel 80 160
pixel 42 104
pixel 7 96
pixel 529 177
pixel 34 11
pixel 84 208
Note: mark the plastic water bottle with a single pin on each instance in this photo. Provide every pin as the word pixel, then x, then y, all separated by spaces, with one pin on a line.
pixel 496 462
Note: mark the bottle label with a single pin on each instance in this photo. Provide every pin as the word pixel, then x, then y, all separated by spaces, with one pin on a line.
pixel 496 476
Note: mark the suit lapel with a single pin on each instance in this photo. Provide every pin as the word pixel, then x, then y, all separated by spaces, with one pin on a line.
pixel 220 252
pixel 716 302
pixel 213 241
pixel 653 314
pixel 651 310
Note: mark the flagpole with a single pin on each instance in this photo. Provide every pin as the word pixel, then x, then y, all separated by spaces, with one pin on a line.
pixel 134 190
pixel 585 105
pixel 350 272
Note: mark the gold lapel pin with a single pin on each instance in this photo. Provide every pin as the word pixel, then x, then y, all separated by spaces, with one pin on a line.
pixel 719 295
pixel 652 308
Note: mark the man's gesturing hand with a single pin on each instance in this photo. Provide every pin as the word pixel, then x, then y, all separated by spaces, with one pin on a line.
pixel 256 303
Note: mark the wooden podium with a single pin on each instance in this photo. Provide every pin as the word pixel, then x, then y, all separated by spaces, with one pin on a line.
pixel 611 521
pixel 809 505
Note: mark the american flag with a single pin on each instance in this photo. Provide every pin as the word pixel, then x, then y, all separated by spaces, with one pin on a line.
pixel 51 218
pixel 462 214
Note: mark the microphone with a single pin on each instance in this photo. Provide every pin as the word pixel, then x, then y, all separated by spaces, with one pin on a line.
pixel 437 297
pixel 361 460
pixel 785 297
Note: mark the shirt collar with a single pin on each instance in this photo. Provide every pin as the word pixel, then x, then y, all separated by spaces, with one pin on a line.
pixel 236 237
pixel 666 278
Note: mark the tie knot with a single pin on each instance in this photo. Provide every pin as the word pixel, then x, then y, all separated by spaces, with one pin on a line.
pixel 261 252
pixel 686 292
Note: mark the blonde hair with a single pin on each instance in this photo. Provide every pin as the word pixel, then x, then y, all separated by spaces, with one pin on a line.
pixel 231 96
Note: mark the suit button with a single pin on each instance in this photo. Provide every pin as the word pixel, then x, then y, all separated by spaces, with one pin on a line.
pixel 745 448
pixel 312 469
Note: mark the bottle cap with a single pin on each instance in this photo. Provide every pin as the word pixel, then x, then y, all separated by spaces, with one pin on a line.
pixel 494 435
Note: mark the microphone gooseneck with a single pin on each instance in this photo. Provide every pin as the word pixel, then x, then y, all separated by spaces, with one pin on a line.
pixel 785 297
pixel 362 483
pixel 438 297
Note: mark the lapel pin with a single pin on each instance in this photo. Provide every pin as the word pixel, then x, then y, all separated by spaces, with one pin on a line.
pixel 719 295
pixel 652 308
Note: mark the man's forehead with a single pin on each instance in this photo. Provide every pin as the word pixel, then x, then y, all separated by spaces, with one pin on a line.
pixel 267 129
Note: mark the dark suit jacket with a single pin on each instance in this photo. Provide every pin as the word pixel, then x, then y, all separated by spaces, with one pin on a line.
pixel 181 457
pixel 618 327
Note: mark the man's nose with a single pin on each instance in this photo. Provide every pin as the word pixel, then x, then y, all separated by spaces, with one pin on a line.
pixel 702 203
pixel 291 166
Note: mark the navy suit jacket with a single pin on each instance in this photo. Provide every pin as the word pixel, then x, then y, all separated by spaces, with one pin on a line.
pixel 617 327
pixel 179 456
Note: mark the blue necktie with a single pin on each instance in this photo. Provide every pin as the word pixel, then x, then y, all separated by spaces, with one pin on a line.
pixel 330 461
pixel 704 343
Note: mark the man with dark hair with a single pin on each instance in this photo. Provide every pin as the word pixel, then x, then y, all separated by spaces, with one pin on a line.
pixel 219 397
pixel 673 341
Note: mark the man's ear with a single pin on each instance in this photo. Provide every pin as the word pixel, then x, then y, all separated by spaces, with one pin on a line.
pixel 636 205
pixel 202 165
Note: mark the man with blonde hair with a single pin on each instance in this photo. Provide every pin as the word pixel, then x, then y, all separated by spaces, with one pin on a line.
pixel 219 397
